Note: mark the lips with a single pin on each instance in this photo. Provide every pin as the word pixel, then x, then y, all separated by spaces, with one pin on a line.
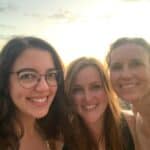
pixel 126 86
pixel 39 101
pixel 89 107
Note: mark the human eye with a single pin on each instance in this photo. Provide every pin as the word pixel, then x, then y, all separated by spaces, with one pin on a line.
pixel 115 67
pixel 97 86
pixel 76 90
pixel 136 63
pixel 51 75
pixel 27 76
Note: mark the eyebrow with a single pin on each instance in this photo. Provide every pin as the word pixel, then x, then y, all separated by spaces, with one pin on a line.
pixel 32 70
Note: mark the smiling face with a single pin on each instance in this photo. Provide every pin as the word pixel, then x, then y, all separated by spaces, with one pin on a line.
pixel 130 71
pixel 34 102
pixel 89 95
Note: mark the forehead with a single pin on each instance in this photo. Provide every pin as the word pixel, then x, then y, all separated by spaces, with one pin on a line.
pixel 88 74
pixel 128 51
pixel 34 58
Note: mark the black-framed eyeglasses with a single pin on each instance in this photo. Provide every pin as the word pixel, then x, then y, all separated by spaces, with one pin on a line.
pixel 29 78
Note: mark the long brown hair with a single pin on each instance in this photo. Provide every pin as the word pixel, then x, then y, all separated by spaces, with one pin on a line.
pixel 51 125
pixel 112 117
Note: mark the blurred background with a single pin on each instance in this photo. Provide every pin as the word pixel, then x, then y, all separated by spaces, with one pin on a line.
pixel 75 27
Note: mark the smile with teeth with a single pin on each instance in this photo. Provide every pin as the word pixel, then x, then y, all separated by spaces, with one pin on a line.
pixel 39 100
pixel 126 86
pixel 89 107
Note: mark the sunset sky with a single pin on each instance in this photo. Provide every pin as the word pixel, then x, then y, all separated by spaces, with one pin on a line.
pixel 75 27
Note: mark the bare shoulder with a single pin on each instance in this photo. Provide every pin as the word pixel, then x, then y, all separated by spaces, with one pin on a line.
pixel 130 118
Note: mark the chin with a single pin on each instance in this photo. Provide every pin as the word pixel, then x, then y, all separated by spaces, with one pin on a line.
pixel 91 120
pixel 130 98
pixel 41 115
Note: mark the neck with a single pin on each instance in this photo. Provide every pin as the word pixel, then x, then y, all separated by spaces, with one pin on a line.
pixel 96 129
pixel 28 124
pixel 32 138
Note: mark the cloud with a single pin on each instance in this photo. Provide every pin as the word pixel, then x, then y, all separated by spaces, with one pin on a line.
pixel 133 0
pixel 63 15
pixel 36 16
pixel 5 37
pixel 4 26
pixel 59 16
pixel 7 7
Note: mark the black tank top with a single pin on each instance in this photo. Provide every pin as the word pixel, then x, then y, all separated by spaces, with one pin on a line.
pixel 127 137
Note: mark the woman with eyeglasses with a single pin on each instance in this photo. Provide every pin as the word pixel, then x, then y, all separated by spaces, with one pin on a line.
pixel 32 109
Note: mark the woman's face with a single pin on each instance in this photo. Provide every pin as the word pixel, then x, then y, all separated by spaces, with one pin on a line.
pixel 33 100
pixel 130 71
pixel 89 95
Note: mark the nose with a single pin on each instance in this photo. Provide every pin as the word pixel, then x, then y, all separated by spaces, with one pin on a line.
pixel 126 73
pixel 42 85
pixel 87 96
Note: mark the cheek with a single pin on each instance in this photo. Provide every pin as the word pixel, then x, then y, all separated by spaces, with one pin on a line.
pixel 102 97
pixel 16 92
pixel 113 76
pixel 76 99
pixel 145 72
pixel 53 90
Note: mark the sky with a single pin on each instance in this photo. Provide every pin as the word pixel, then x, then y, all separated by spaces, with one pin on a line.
pixel 75 27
